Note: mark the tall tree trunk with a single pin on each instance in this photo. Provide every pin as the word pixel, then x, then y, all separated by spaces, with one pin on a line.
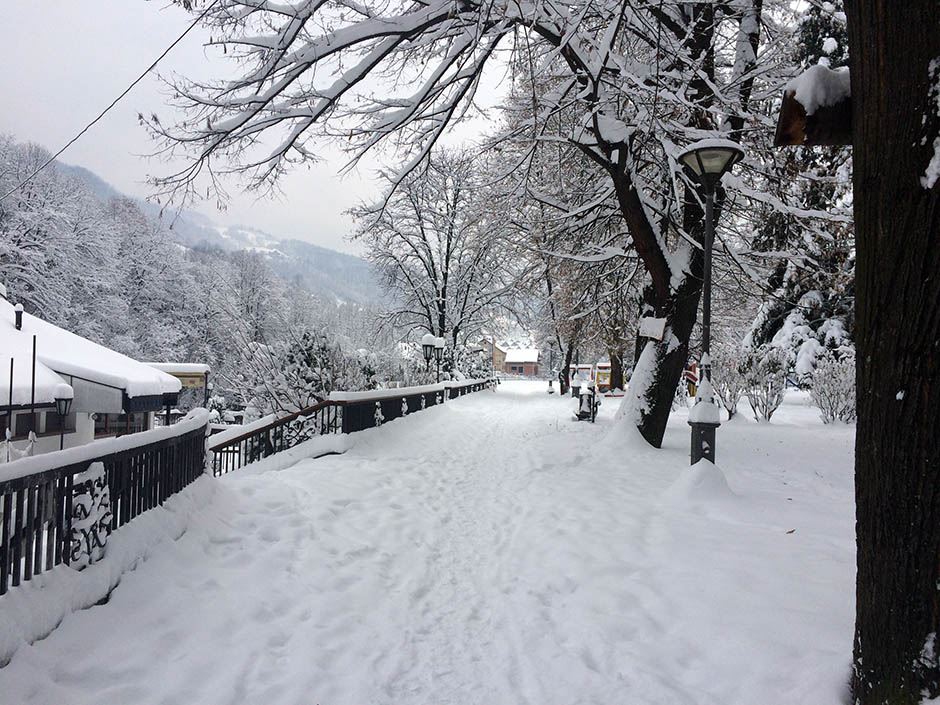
pixel 680 309
pixel 894 50
pixel 565 372
pixel 616 369
pixel 671 353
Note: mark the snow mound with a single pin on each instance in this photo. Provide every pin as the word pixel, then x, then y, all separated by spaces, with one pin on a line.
pixel 703 483
pixel 316 447
pixel 33 610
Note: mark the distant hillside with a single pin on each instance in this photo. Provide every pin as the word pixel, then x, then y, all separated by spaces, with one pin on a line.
pixel 347 278
pixel 343 277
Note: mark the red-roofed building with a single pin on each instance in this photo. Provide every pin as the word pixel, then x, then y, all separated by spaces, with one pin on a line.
pixel 522 361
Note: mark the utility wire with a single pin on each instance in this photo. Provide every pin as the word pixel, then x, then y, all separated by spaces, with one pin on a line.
pixel 112 103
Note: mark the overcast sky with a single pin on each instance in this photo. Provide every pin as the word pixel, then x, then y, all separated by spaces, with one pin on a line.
pixel 63 61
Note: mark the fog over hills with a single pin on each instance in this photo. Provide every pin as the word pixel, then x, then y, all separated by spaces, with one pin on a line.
pixel 344 277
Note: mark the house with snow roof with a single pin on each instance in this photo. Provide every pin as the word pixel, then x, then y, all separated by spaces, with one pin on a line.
pixel 522 361
pixel 102 392
pixel 496 350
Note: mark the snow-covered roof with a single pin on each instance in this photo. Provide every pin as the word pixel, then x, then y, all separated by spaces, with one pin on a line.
pixel 60 353
pixel 522 355
pixel 180 368
pixel 820 87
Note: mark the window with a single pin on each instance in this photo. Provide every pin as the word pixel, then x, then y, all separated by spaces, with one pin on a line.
pixel 54 423
pixel 120 424
pixel 23 423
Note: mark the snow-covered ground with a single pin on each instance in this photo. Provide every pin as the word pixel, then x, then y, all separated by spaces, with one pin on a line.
pixel 490 551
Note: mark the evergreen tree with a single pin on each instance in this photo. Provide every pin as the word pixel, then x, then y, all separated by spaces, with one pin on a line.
pixel 809 304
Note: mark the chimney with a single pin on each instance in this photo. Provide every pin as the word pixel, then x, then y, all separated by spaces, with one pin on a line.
pixel 18 311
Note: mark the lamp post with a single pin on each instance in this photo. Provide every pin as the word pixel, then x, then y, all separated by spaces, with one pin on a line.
pixel 551 372
pixel 438 354
pixel 62 406
pixel 707 161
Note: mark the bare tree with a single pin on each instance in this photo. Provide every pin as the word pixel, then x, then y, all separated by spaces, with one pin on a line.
pixel 644 76
pixel 439 250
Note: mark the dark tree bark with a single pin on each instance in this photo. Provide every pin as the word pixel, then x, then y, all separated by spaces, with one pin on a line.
pixel 616 369
pixel 897 452
pixel 680 309
pixel 565 372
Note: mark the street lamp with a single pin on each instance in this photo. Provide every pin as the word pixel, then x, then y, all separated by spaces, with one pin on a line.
pixel 707 161
pixel 428 343
pixel 62 405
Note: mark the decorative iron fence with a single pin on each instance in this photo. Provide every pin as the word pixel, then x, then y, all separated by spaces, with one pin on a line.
pixel 229 454
pixel 343 412
pixel 46 517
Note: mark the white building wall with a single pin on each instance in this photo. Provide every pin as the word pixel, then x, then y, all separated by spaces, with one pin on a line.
pixel 84 433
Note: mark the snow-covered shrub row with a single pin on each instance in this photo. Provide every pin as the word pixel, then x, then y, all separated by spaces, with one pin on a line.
pixel 833 388
pixel 681 397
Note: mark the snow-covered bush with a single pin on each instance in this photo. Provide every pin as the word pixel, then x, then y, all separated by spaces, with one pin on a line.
pixel 681 397
pixel 312 367
pixel 834 388
pixel 765 377
pixel 473 362
pixel 728 378
pixel 804 328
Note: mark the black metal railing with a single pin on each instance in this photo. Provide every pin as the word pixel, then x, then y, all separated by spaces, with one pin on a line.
pixel 347 414
pixel 36 510
pixel 282 433
pixel 36 521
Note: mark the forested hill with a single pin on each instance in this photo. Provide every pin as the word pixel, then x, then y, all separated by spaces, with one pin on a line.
pixel 78 254
pixel 325 272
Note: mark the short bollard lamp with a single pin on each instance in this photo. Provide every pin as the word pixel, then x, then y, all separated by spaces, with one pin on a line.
pixel 707 161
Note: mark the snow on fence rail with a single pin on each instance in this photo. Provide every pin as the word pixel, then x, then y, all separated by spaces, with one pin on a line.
pixel 60 507
pixel 233 449
pixel 343 412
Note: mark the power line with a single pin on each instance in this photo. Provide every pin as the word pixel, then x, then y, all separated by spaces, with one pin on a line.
pixel 112 103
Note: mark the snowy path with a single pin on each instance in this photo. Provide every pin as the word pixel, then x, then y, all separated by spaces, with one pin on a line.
pixel 491 551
